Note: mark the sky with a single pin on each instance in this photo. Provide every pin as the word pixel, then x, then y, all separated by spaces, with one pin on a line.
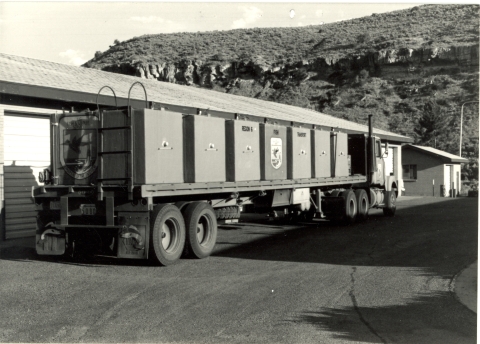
pixel 71 32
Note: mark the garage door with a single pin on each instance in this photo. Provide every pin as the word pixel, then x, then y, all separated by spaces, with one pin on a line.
pixel 26 152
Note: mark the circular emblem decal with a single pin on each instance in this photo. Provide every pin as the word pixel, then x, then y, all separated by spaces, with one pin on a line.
pixel 276 152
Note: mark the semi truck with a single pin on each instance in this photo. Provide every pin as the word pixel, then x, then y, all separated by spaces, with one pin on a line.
pixel 155 182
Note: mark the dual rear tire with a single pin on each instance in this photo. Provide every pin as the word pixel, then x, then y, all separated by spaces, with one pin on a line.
pixel 201 226
pixel 172 233
pixel 167 234
pixel 345 212
pixel 354 207
pixel 362 204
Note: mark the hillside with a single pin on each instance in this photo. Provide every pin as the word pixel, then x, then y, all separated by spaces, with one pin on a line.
pixel 412 69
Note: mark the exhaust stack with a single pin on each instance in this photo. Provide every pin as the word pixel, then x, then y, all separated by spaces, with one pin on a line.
pixel 371 163
pixel 370 128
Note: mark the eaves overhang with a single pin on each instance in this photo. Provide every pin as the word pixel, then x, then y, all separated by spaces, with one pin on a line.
pixel 444 158
pixel 65 97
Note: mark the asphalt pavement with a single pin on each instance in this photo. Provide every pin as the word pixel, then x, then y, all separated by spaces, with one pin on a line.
pixel 407 279
pixel 466 286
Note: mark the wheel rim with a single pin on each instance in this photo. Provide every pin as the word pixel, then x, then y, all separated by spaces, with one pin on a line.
pixel 393 201
pixel 364 205
pixel 203 230
pixel 351 207
pixel 169 235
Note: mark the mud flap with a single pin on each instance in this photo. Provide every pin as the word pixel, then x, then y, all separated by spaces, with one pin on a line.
pixel 50 242
pixel 133 237
pixel 131 242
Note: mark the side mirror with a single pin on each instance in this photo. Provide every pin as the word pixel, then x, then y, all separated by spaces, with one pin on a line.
pixel 385 154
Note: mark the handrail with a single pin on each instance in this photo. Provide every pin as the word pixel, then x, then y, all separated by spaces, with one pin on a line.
pixel 144 90
pixel 114 95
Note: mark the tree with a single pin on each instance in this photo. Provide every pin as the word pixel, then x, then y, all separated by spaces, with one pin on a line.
pixel 431 125
pixel 116 42
pixel 470 169
pixel 364 37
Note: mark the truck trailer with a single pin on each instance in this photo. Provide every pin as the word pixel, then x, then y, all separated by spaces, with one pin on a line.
pixel 154 182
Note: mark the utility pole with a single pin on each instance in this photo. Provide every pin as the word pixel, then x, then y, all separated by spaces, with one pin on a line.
pixel 461 124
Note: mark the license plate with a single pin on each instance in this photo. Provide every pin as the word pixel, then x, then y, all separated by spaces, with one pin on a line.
pixel 88 209
pixel 55 205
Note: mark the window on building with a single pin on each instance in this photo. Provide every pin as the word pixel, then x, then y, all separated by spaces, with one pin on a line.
pixel 409 172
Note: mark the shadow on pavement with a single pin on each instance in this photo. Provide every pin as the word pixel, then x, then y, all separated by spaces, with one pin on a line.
pixel 397 323
pixel 425 233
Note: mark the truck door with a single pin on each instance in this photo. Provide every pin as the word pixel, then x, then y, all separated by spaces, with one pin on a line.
pixel 379 175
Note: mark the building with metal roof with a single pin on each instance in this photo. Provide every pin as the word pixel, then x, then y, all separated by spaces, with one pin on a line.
pixel 23 76
pixel 31 90
pixel 429 171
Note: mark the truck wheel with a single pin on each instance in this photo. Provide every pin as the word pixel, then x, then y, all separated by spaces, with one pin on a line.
pixel 348 213
pixel 230 213
pixel 362 204
pixel 391 203
pixel 167 234
pixel 181 205
pixel 201 224
pixel 220 213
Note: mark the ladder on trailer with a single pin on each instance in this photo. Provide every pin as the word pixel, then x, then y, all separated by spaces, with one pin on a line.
pixel 128 152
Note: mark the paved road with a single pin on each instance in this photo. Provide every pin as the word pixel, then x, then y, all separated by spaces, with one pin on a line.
pixel 385 281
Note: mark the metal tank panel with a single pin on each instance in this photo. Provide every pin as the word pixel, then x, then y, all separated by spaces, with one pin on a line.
pixel 273 152
pixel 242 150
pixel 299 153
pixel 321 155
pixel 204 149
pixel 339 154
pixel 158 147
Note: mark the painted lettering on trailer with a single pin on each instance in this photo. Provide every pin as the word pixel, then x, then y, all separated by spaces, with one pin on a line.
pixel 78 124
pixel 302 134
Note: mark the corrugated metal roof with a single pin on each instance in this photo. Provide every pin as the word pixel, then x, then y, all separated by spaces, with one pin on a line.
pixel 437 152
pixel 44 74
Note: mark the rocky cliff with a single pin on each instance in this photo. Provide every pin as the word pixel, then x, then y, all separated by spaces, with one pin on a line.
pixel 229 74
pixel 418 37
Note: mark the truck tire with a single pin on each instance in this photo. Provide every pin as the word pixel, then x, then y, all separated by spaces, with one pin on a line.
pixel 362 204
pixel 220 213
pixel 236 212
pixel 347 214
pixel 391 203
pixel 167 234
pixel 230 214
pixel 201 225
pixel 181 205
